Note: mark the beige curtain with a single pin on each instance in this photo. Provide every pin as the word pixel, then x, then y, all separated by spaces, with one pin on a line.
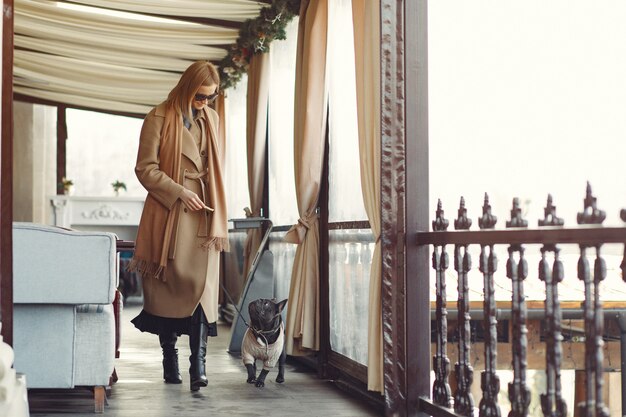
pixel 366 18
pixel 303 312
pixel 256 130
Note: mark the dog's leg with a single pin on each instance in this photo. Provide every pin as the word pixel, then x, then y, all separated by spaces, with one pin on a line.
pixel 251 373
pixel 260 381
pixel 280 378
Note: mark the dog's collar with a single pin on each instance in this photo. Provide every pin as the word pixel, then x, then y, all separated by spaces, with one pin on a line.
pixel 267 333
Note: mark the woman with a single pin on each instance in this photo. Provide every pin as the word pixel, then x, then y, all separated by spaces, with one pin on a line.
pixel 183 226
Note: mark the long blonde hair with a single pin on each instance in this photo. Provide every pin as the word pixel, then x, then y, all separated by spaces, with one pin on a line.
pixel 198 74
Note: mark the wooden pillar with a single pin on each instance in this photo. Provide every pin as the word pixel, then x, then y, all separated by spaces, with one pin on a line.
pixel 6 177
pixel 419 358
pixel 61 148
pixel 405 207
pixel 392 205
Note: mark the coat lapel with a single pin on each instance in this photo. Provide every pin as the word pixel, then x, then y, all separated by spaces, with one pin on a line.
pixel 190 149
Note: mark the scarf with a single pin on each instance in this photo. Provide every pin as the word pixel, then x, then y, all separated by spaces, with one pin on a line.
pixel 157 222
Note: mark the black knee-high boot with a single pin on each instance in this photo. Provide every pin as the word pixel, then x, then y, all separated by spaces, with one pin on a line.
pixel 197 344
pixel 171 374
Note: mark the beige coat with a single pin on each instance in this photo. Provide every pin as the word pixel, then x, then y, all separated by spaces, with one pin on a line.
pixel 192 273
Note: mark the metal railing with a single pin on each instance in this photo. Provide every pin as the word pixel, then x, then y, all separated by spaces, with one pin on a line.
pixel 590 236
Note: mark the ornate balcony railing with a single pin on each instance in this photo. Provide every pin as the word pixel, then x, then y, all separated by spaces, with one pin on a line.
pixel 590 236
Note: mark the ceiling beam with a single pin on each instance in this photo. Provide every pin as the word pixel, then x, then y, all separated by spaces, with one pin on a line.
pixel 229 24
pixel 35 100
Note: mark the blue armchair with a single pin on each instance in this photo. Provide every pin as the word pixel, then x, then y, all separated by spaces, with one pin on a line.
pixel 64 326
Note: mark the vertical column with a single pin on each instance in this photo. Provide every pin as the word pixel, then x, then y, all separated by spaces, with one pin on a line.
pixel 61 148
pixel 404 201
pixel 34 162
pixel 6 176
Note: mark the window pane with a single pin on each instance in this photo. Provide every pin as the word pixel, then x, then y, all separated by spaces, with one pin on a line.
pixel 102 148
pixel 345 200
pixel 282 262
pixel 350 251
pixel 350 259
pixel 236 150
pixel 282 189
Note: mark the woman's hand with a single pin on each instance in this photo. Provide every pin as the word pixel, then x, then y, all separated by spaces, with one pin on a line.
pixel 192 201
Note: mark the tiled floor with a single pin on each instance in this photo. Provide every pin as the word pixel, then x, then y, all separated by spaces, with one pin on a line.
pixel 140 391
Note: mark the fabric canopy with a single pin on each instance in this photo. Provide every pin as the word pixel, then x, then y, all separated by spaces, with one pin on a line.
pixel 126 60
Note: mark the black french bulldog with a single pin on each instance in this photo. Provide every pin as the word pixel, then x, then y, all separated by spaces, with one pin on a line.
pixel 265 340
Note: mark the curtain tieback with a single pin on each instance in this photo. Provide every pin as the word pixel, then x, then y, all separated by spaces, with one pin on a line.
pixel 250 213
pixel 298 231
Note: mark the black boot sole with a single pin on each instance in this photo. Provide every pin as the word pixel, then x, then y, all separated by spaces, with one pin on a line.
pixel 173 381
pixel 196 385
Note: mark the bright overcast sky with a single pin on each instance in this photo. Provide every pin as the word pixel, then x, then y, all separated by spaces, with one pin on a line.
pixel 526 98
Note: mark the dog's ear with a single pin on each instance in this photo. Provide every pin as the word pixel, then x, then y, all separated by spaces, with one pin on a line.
pixel 280 306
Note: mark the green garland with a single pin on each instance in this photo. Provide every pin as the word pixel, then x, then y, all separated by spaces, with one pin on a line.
pixel 255 37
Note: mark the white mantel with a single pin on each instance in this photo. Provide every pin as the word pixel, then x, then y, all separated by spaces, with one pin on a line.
pixel 119 215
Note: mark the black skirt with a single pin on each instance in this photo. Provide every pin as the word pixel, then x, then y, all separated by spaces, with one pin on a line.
pixel 150 323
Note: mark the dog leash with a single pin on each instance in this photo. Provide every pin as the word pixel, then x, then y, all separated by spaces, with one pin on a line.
pixel 234 305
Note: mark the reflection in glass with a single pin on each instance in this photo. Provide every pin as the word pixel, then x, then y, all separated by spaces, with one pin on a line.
pixel 350 259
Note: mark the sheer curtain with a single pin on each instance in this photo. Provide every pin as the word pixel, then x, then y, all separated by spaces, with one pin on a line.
pixel 283 209
pixel 345 201
pixel 354 130
pixel 303 327
pixel 236 174
pixel 366 18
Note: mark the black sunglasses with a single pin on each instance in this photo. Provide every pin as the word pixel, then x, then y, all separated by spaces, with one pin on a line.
pixel 202 97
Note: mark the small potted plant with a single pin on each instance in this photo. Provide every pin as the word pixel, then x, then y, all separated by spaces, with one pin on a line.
pixel 68 185
pixel 117 186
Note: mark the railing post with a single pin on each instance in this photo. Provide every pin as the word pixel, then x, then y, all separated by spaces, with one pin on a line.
pixel 519 394
pixel 552 403
pixel 621 321
pixel 464 373
pixel 441 363
pixel 489 381
pixel 594 318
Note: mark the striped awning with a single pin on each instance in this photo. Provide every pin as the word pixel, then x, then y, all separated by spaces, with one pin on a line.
pixel 120 56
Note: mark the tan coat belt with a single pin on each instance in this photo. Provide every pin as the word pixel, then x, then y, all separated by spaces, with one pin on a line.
pixel 202 178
